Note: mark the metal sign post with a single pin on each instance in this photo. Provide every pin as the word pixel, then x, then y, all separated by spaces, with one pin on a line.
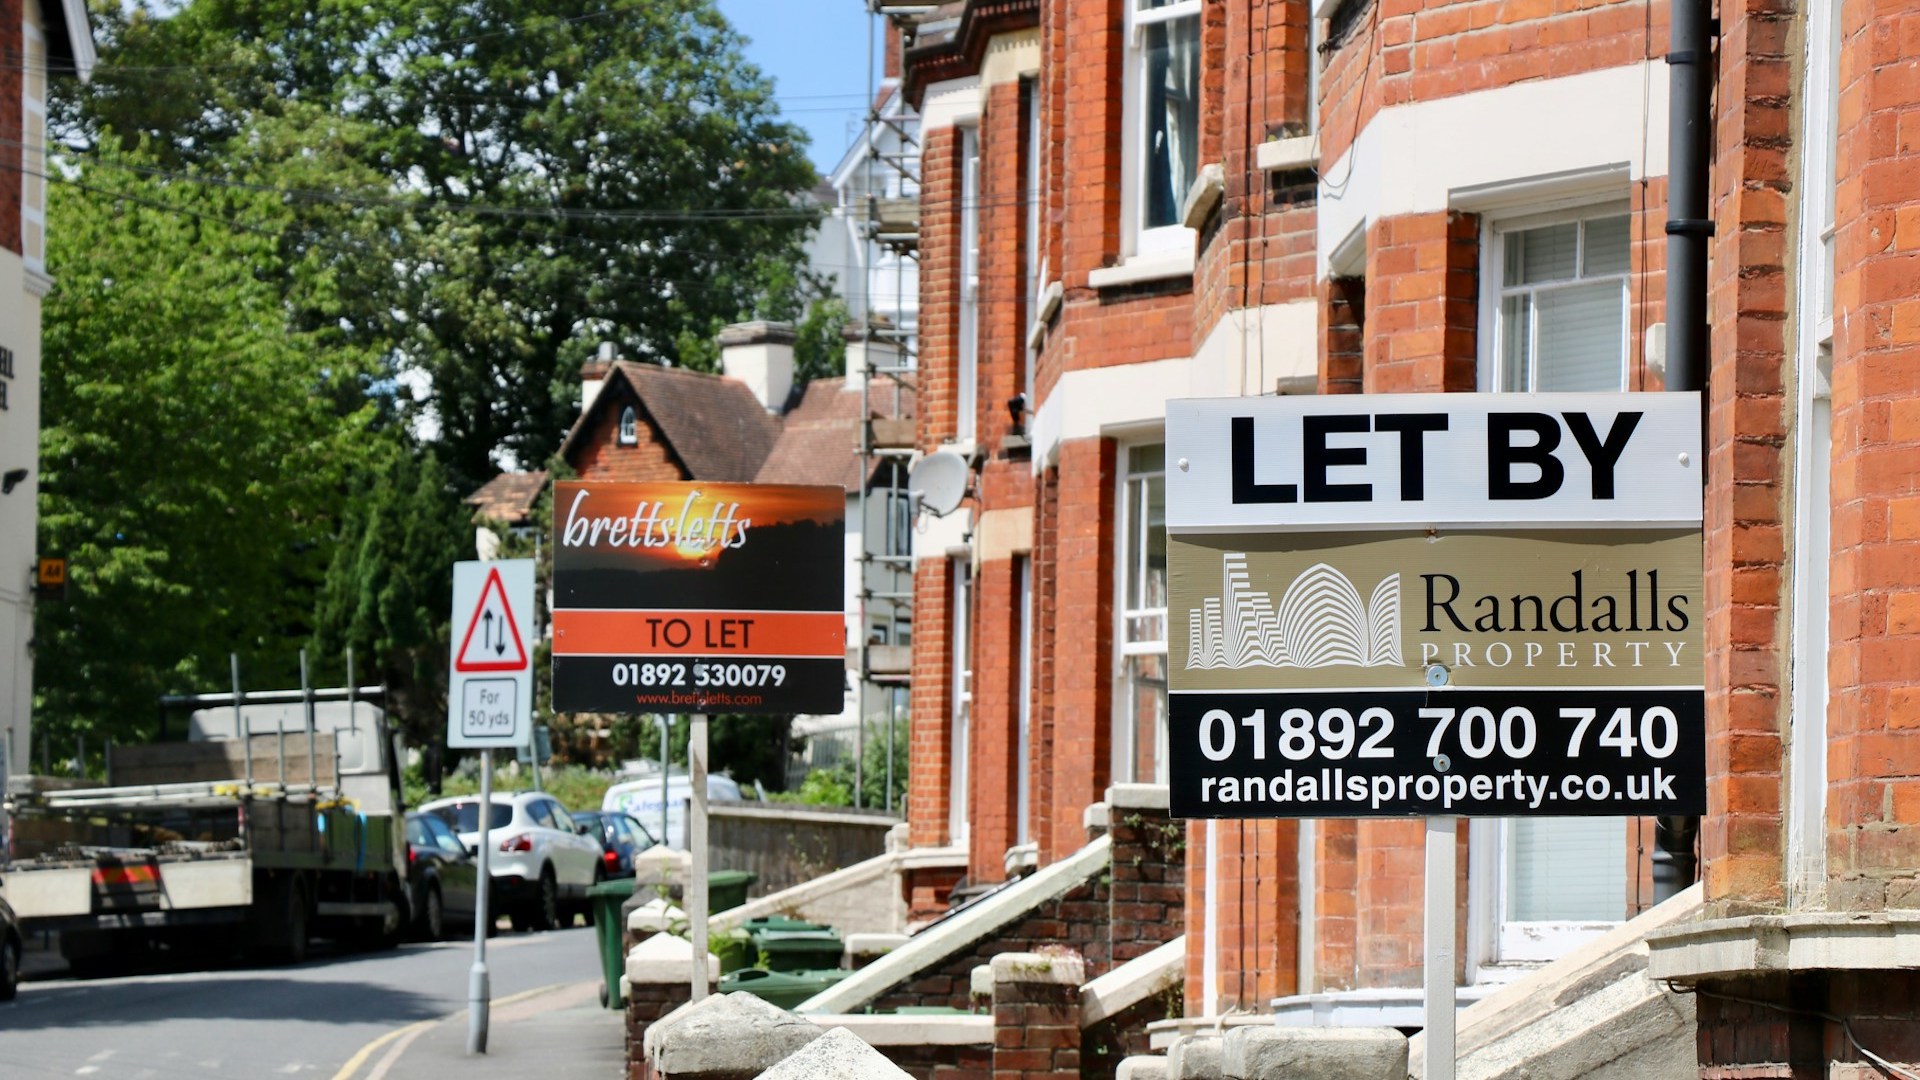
pixel 696 893
pixel 1438 976
pixel 479 988
pixel 489 706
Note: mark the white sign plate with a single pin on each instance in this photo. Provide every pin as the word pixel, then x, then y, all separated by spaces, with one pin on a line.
pixel 1364 461
pixel 490 689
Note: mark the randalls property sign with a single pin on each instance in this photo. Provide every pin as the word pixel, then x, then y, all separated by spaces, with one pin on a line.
pixel 1435 604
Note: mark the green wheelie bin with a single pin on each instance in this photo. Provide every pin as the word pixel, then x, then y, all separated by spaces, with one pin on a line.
pixel 611 930
pixel 783 988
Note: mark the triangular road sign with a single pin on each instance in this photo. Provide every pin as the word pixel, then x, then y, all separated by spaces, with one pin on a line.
pixel 493 633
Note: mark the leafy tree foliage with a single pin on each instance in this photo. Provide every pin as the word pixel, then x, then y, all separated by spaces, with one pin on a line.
pixel 189 456
pixel 389 584
pixel 574 172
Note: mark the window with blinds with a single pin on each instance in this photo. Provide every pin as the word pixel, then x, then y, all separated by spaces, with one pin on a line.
pixel 1557 303
pixel 1561 322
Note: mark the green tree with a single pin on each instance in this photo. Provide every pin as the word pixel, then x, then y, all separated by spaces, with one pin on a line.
pixel 574 172
pixel 191 459
pixel 389 584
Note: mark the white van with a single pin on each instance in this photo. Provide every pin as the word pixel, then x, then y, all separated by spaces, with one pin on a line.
pixel 641 799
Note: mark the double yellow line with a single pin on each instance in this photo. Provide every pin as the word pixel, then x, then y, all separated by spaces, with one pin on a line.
pixel 413 1031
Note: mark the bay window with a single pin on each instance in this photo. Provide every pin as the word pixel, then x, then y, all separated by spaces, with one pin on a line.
pixel 1163 125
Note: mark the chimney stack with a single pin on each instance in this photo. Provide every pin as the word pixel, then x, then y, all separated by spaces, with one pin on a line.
pixel 760 354
pixel 593 373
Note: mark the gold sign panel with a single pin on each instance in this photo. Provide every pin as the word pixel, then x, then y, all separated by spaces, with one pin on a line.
pixel 1363 610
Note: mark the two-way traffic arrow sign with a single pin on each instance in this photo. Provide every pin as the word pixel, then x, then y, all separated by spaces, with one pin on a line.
pixel 490 693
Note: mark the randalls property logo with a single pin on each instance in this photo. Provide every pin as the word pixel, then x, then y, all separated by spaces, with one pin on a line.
pixel 1319 622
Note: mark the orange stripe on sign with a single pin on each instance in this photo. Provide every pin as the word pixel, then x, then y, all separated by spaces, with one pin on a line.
pixel 699 633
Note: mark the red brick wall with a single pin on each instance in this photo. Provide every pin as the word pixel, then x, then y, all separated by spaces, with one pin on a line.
pixel 601 457
pixel 1422 50
pixel 930 755
pixel 1256 901
pixel 939 311
pixel 1260 250
pixel 12 74
pixel 1874 757
pixel 996 719
pixel 1080 756
pixel 1746 646
pixel 1423 277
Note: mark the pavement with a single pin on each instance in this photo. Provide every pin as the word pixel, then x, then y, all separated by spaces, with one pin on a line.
pixel 555 1032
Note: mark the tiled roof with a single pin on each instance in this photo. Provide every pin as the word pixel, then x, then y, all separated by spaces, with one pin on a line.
pixel 711 423
pixel 818 444
pixel 509 497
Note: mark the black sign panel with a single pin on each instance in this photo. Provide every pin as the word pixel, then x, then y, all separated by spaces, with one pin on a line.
pixel 1467 752
pixel 698 597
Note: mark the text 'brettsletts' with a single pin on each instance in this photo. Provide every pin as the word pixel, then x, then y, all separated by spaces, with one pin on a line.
pixel 655 524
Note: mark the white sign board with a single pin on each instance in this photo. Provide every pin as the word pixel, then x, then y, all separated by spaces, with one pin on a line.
pixel 490 690
pixel 1365 461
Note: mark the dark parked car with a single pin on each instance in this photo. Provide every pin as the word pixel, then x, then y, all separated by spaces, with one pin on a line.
pixel 441 876
pixel 620 835
pixel 10 946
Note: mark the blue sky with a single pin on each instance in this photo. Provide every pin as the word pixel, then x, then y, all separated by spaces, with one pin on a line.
pixel 816 52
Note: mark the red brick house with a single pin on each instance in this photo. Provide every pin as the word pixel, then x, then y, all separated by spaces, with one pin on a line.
pixel 1130 201
pixel 751 424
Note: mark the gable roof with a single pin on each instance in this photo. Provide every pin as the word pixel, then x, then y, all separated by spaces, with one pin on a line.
pixel 819 443
pixel 713 424
pixel 509 497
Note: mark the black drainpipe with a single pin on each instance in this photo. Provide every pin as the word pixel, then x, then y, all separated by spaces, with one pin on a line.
pixel 1688 229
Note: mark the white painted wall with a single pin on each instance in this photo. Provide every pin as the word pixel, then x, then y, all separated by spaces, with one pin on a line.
pixel 19 518
pixel 1577 123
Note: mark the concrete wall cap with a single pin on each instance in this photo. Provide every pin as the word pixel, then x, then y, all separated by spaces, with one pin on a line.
pixel 1142 1067
pixel 1095 816
pixel 1049 969
pixel 1277 1053
pixel 656 916
pixel 664 959
pixel 1137 797
pixel 1195 1057
pixel 981 981
pixel 837 1055
pixel 650 1043
pixel 1138 979
pixel 740 1035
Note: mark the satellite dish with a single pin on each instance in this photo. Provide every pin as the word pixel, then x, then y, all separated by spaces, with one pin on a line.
pixel 939 481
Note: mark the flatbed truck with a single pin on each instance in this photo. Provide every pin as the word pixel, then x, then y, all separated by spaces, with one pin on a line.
pixel 275 822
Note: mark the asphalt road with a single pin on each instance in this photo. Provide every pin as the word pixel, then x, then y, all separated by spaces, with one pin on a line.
pixel 262 1022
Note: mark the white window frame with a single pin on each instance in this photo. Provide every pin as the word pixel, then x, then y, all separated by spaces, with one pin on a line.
pixel 966 388
pixel 629 430
pixel 1136 238
pixel 1813 457
pixel 1023 705
pixel 962 707
pixel 1126 727
pixel 1494 231
pixel 1491 937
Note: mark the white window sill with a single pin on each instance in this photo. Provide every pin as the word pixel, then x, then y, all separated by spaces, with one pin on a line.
pixel 1143 268
pixel 1302 152
pixel 1050 298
